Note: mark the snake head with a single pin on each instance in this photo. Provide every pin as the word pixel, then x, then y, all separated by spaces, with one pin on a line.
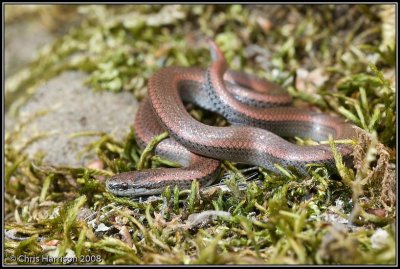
pixel 131 184
pixel 118 186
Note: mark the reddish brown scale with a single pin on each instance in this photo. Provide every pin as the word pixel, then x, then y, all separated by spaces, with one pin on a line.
pixel 243 100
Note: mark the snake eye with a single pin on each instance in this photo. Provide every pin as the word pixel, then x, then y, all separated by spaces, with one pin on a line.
pixel 124 186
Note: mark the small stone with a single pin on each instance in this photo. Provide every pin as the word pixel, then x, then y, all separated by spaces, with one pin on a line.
pixel 379 239
pixel 102 228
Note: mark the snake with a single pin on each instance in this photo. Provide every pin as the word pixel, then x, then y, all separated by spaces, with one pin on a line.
pixel 260 116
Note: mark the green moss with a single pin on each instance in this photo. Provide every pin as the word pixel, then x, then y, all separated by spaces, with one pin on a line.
pixel 271 219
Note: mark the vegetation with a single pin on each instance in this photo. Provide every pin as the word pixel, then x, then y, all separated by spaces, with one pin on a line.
pixel 339 58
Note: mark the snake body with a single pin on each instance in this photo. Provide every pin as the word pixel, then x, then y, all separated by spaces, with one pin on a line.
pixel 259 114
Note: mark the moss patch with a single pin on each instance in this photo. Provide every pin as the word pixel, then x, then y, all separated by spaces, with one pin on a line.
pixel 340 58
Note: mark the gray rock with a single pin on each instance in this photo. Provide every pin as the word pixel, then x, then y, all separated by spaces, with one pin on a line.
pixel 74 108
pixel 22 40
